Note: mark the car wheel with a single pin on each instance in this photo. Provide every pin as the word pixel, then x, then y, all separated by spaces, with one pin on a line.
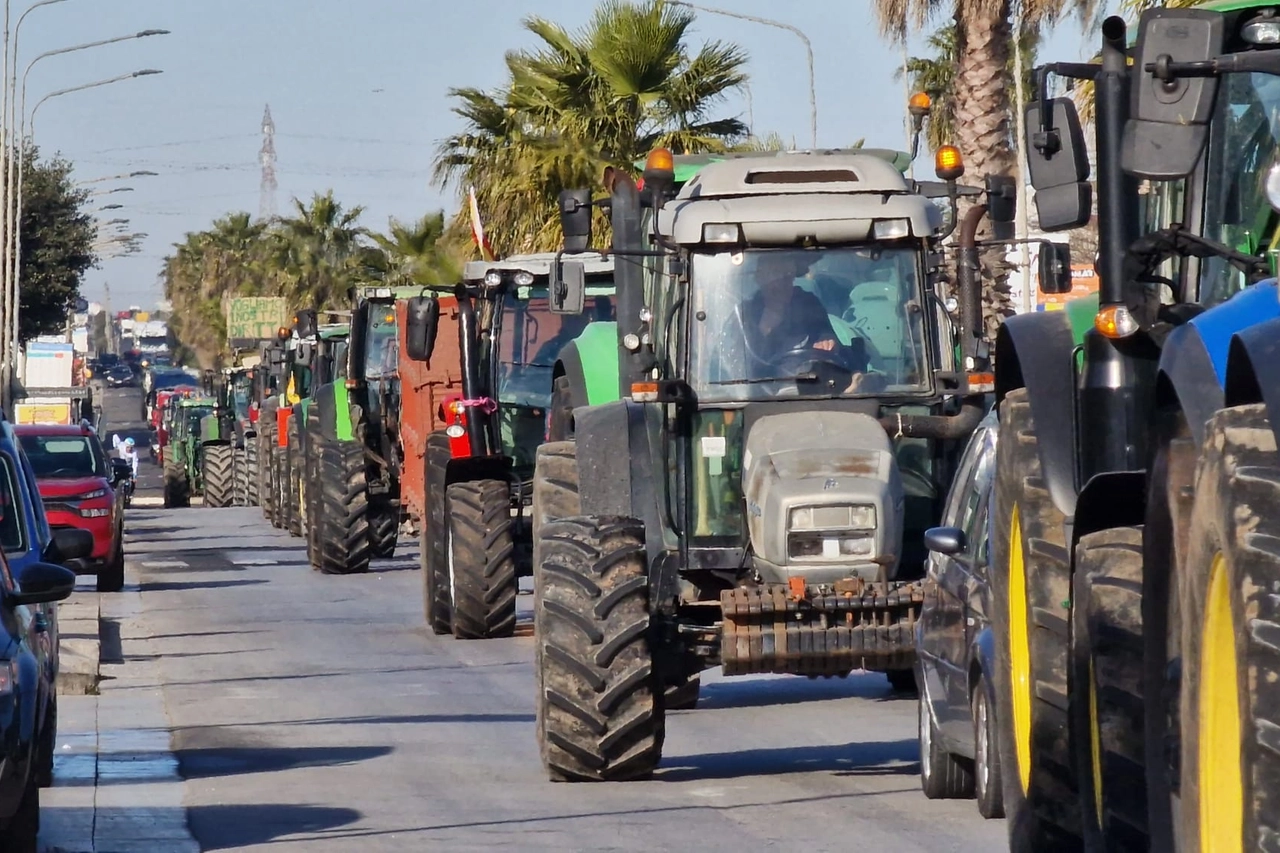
pixel 48 744
pixel 111 575
pixel 942 775
pixel 987 783
pixel 20 836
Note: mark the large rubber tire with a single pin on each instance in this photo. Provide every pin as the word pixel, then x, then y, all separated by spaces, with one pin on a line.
pixel 279 506
pixel 600 703
pixel 1030 592
pixel 560 422
pixel 177 489
pixel 943 775
pixel 344 510
pixel 110 577
pixel 294 474
pixel 683 696
pixel 266 472
pixel 240 477
pixel 251 466
pixel 1105 702
pixel 437 607
pixel 482 568
pixel 384 529
pixel 48 744
pixel 313 446
pixel 219 476
pixel 1229 703
pixel 22 832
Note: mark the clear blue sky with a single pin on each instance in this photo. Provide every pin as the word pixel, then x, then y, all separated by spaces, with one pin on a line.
pixel 358 94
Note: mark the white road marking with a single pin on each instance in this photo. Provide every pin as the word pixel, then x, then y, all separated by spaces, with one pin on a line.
pixel 166 564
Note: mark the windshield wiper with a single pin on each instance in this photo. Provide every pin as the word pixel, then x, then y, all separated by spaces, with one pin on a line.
pixel 800 377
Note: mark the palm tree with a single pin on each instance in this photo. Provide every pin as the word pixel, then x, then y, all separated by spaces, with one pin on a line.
pixel 319 249
pixel 411 253
pixel 604 96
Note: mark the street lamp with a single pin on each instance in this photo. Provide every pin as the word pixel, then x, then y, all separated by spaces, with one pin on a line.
pixel 808 47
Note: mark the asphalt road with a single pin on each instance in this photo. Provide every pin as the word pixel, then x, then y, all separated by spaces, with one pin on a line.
pixel 318 713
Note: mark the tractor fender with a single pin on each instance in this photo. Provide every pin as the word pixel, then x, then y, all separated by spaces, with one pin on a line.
pixel 1035 351
pixel 1253 370
pixel 591 363
pixel 1111 499
pixel 333 403
pixel 468 469
pixel 1186 379
pixel 619 471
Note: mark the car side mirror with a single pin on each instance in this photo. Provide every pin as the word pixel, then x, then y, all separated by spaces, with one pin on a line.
pixel 568 287
pixel 947 541
pixel 44 582
pixel 1055 268
pixel 422 323
pixel 575 219
pixel 1170 124
pixel 1059 165
pixel 68 543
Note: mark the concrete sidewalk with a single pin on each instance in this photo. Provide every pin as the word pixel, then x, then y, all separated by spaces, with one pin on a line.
pixel 116 783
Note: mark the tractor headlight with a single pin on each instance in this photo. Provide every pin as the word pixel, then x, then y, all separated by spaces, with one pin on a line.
pixel 492 278
pixel 523 278
pixel 455 431
pixel 891 229
pixel 830 546
pixel 846 517
pixel 721 232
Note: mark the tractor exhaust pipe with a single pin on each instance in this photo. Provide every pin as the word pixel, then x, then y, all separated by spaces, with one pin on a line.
pixel 939 427
pixel 468 343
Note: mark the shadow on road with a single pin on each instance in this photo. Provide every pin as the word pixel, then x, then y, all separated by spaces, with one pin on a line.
pixel 233 827
pixel 884 758
pixel 174 586
pixel 216 762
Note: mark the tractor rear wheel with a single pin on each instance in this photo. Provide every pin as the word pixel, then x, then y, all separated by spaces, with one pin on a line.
pixel 1031 593
pixel 599 703
pixel 1227 645
pixel 384 528
pixel 313 445
pixel 218 475
pixel 437 605
pixel 560 426
pixel 252 477
pixel 266 476
pixel 344 509
pixel 293 475
pixel 1106 697
pixel 279 503
pixel 177 489
pixel 482 568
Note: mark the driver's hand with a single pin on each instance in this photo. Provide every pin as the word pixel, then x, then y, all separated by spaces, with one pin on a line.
pixel 826 346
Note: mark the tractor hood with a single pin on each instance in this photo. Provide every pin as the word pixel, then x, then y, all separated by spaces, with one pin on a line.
pixel 824 497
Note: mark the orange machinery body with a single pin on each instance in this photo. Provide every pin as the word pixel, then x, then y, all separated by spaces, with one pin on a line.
pixel 282 425
pixel 425 387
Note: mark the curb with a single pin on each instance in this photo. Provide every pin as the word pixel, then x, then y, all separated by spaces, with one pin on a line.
pixel 79 644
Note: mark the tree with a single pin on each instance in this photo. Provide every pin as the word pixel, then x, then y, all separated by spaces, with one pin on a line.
pixel 57 245
pixel 411 253
pixel 604 96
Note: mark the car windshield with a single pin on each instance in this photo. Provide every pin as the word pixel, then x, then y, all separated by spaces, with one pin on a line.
pixel 1237 213
pixel 808 323
pixel 171 380
pixel 63 456
pixel 532 338
pixel 12 525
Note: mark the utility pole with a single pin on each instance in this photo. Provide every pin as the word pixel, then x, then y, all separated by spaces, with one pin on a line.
pixel 267 156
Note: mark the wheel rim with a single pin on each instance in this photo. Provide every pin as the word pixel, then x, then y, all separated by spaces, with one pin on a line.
pixel 1221 777
pixel 1095 744
pixel 1019 653
pixel 984 739
pixel 926 741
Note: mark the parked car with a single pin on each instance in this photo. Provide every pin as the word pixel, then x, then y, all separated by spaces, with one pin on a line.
pixel 79 489
pixel 120 376
pixel 956 660
pixel 27 731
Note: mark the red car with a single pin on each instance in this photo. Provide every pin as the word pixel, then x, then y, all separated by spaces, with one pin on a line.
pixel 75 483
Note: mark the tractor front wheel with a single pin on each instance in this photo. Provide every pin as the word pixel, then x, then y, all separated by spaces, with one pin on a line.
pixel 218 475
pixel 384 528
pixel 343 537
pixel 482 569
pixel 599 707
pixel 177 488
pixel 437 605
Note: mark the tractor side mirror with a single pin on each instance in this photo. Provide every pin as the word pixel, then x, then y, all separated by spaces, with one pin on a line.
pixel 1059 164
pixel 305 353
pixel 421 326
pixel 568 291
pixel 305 323
pixel 575 219
pixel 1055 268
pixel 1170 124
pixel 1002 205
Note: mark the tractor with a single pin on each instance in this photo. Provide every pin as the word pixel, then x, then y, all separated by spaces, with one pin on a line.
pixel 217 443
pixel 183 467
pixel 476 531
pixel 792 398
pixel 355 432
pixel 1134 564
pixel 323 364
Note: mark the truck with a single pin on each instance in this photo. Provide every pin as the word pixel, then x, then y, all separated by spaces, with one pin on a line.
pixel 1133 556
pixel 751 498
pixel 48 392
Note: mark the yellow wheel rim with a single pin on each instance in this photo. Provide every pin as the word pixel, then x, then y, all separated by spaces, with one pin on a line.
pixel 1019 653
pixel 1095 743
pixel 1221 776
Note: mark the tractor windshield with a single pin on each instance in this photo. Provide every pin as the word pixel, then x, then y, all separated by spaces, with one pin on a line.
pixel 381 345
pixel 807 323
pixel 532 337
pixel 1247 127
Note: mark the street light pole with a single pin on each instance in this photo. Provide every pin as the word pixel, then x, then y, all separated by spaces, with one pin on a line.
pixel 808 48
pixel 14 249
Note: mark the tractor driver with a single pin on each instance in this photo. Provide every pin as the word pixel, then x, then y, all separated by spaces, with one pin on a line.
pixel 782 324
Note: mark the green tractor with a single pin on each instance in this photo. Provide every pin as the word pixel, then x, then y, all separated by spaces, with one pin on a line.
pixel 477 536
pixel 183 466
pixel 792 396
pixel 217 444
pixel 1134 557
pixel 325 364
pixel 353 426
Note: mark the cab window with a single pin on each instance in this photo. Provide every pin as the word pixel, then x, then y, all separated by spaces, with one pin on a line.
pixel 13 538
